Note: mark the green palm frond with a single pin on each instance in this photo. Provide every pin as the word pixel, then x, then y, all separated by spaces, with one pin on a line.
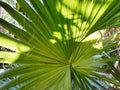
pixel 56 44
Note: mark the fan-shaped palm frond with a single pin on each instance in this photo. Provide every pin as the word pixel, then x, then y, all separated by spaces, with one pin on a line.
pixel 55 46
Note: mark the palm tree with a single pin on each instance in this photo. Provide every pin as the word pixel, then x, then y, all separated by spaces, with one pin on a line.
pixel 55 47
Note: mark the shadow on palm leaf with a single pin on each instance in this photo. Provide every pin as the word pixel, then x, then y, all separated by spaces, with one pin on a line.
pixel 52 48
pixel 48 69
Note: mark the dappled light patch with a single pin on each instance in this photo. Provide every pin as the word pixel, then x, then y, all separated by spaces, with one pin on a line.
pixel 58 43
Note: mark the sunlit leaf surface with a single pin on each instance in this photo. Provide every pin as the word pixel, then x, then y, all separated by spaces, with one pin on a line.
pixel 56 47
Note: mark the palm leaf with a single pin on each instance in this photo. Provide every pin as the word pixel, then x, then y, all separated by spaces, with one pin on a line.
pixel 55 45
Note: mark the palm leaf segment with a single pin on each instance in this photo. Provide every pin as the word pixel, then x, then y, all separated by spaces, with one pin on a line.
pixel 52 47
